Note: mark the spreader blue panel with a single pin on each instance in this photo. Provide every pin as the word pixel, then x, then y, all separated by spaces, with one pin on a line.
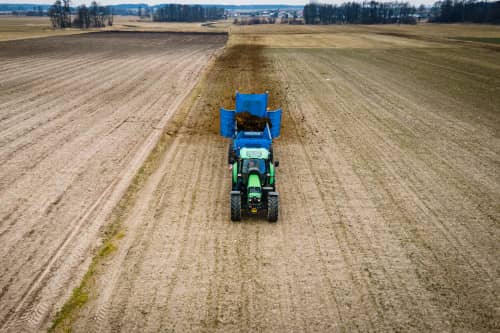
pixel 256 104
pixel 275 118
pixel 227 125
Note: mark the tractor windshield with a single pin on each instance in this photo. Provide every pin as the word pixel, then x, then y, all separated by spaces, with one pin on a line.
pixel 253 163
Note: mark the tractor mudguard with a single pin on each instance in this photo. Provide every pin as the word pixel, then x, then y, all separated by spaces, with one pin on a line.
pixel 235 172
pixel 271 174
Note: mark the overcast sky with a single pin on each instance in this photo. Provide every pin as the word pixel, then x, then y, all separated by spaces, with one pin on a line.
pixel 218 2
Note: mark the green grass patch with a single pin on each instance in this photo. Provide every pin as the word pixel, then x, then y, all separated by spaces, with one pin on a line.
pixel 81 294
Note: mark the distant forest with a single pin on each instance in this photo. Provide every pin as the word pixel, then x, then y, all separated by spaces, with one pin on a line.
pixel 94 16
pixel 187 13
pixel 360 13
pixel 449 11
pixel 372 12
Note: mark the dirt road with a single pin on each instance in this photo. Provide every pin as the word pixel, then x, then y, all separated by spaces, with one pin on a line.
pixel 389 183
pixel 78 117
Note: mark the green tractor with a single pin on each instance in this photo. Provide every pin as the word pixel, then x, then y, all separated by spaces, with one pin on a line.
pixel 253 184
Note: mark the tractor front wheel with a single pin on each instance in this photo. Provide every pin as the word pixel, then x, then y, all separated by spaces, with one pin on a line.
pixel 235 207
pixel 272 208
pixel 231 155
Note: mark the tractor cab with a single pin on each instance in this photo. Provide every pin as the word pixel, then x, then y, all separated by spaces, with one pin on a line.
pixel 253 161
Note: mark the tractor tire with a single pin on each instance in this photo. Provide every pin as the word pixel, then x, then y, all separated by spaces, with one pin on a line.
pixel 235 207
pixel 272 208
pixel 231 155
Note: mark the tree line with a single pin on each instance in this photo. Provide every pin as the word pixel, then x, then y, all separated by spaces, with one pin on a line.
pixel 187 13
pixel 23 9
pixel 94 16
pixel 360 13
pixel 452 11
pixel 36 11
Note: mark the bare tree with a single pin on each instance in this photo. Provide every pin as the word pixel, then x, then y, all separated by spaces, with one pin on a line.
pixel 60 14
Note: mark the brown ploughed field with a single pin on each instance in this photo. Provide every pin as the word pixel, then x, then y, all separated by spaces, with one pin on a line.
pixel 389 183
pixel 78 117
pixel 21 27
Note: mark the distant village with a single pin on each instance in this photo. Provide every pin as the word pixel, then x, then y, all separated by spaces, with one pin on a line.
pixel 276 13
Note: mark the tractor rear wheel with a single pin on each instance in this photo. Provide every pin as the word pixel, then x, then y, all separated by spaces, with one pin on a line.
pixel 235 207
pixel 272 208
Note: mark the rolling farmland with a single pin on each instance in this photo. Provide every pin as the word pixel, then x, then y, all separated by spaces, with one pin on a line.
pixel 389 180
pixel 75 127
